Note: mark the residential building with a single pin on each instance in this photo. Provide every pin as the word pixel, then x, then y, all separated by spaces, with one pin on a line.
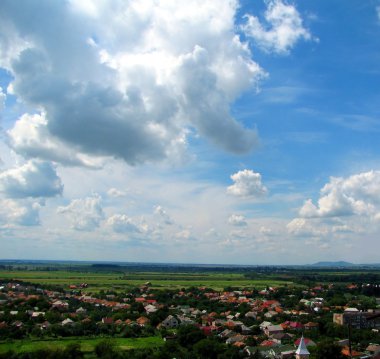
pixel 358 320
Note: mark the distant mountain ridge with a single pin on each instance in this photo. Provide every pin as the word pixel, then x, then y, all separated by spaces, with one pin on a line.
pixel 334 264
pixel 206 266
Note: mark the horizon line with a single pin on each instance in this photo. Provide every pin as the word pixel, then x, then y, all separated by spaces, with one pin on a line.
pixel 322 263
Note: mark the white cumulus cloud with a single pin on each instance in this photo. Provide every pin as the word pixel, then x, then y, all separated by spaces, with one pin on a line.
pixel 283 27
pixel 247 183
pixel 161 212
pixel 19 212
pixel 33 179
pixel 237 220
pixel 132 88
pixel 346 207
pixel 354 195
pixel 184 234
pixel 301 227
pixel 85 214
pixel 114 192
pixel 121 223
pixel 31 138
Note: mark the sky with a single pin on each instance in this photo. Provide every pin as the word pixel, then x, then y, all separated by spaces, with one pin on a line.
pixel 190 131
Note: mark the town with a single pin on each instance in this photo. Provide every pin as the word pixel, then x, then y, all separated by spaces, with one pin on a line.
pixel 322 320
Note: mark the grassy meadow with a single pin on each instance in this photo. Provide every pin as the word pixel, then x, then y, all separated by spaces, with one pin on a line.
pixel 121 281
pixel 87 345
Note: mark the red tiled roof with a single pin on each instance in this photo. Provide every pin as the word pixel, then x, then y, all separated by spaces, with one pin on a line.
pixel 107 320
pixel 354 353
pixel 268 343
pixel 306 340
pixel 142 320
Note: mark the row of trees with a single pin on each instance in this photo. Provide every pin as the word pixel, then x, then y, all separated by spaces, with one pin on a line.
pixel 197 347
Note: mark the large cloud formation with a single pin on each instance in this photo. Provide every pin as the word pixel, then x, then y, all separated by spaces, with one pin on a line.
pixel 125 79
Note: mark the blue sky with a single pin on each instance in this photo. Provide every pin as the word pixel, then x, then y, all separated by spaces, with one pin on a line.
pixel 200 132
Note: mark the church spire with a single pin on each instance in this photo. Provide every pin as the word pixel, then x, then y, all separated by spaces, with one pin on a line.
pixel 302 352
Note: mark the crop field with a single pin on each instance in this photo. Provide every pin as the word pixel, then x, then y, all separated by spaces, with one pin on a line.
pixel 120 281
pixel 87 345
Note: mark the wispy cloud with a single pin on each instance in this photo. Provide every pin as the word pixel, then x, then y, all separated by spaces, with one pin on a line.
pixel 284 94
pixel 307 137
pixel 358 122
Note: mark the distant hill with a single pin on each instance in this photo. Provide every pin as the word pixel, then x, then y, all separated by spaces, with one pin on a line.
pixel 334 264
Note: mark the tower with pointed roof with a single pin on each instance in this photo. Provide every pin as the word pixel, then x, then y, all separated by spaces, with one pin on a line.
pixel 302 352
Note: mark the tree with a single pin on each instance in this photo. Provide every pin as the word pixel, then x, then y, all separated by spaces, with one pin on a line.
pixel 231 352
pixel 328 349
pixel 10 354
pixel 171 349
pixel 188 335
pixel 251 341
pixel 257 355
pixel 47 353
pixel 105 349
pixel 72 351
pixel 207 349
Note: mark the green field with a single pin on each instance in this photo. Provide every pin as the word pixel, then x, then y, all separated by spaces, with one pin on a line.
pixel 87 345
pixel 107 281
